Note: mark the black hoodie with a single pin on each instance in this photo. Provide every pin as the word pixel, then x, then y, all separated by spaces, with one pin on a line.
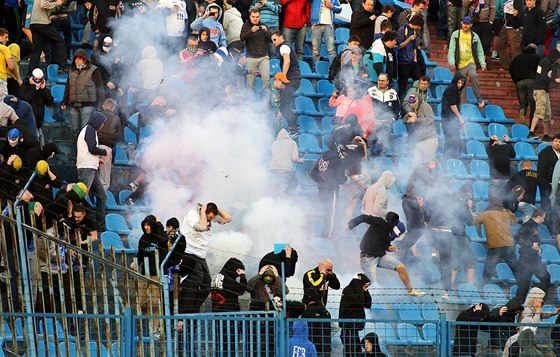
pixel 149 243
pixel 225 287
pixel 524 65
pixel 354 301
pixel 278 259
pixel 544 70
pixel 208 45
pixel 95 121
pixel 451 96
pixel 466 335
pixel 377 239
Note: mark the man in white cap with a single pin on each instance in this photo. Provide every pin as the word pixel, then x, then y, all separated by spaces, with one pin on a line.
pixel 35 92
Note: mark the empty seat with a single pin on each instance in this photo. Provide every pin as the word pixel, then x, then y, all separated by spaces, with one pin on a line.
pixel 409 311
pixel 430 311
pixel 409 333
pixel 480 169
pixel 386 334
pixel 324 107
pixel 473 131
pixel 481 206
pixel 306 71
pixel 429 273
pixel 341 35
pixel 550 254
pixel 54 76
pixel 305 106
pixel 442 75
pixel 438 94
pixel 116 223
pixel 479 251
pixel 57 92
pixel 504 274
pixel 497 129
pixel 496 114
pixel 72 349
pixel 308 144
pixel 469 294
pixel 129 136
pixel 136 220
pixel 134 238
pixel 306 184
pixel 456 169
pixel 554 271
pixel 480 190
pixel 327 124
pixel 322 69
pixel 112 204
pixel 430 332
pixel 308 125
pixel 50 329
pixel 470 112
pixel 495 294
pixel 471 97
pixel 476 150
pixel 120 157
pixel 112 239
pixel 306 89
pixel 525 151
pixel 399 129
pixel 542 146
pixel 133 120
pixel 325 88
pixel 520 132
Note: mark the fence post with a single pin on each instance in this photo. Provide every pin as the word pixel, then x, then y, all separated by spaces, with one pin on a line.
pixel 445 343
pixel 22 246
pixel 128 333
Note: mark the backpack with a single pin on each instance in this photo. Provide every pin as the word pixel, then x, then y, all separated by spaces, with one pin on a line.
pixel 336 65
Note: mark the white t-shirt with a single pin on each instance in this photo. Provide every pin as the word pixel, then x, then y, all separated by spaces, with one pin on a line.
pixel 325 18
pixel 175 20
pixel 196 241
pixel 285 49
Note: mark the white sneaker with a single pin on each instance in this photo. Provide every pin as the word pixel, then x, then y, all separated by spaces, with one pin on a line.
pixel 445 296
pixel 416 293
pixel 133 186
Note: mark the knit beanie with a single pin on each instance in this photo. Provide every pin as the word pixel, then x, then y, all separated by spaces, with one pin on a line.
pixel 81 189
pixel 16 164
pixel 41 168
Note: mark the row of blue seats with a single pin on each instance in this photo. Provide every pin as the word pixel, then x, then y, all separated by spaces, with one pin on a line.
pixel 471 113
pixel 519 132
pixel 115 222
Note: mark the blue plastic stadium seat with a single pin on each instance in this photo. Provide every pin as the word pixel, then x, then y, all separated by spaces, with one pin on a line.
pixel 504 274
pixel 442 75
pixel 497 129
pixel 430 311
pixel 386 334
pixel 57 92
pixel 480 191
pixel 112 204
pixel 133 120
pixel 427 60
pixel 327 124
pixel 53 76
pixel 120 157
pixel 306 89
pixel 473 131
pixel 308 125
pixel 409 334
pixel 114 222
pixel 322 69
pixel 481 206
pixel 471 112
pixel 429 273
pixel 274 65
pixel 130 136
pixel 112 239
pixel 134 238
pixel 307 51
pixel 306 71
pixel 306 184
pixel 96 350
pixel 325 88
pixel 438 94
pixel 324 107
pixel 520 132
pixel 479 251
pixel 480 169
pixel 399 129
pixel 469 294
pixel 341 35
pixel 409 311
pixel 544 234
pixel 496 114
pixel 542 146
pixel 305 106
pixel 308 143
pixel 554 271
pixel 456 169
pixel 430 332
pixel 476 150
pixel 45 349
pixel 525 151
pixel 495 294
pixel 550 254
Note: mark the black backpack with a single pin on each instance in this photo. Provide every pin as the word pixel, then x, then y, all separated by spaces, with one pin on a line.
pixel 336 66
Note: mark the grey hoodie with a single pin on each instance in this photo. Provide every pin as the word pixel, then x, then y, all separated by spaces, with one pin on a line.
pixel 375 199
pixel 424 127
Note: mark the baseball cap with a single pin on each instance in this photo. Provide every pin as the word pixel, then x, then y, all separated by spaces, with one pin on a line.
pixel 467 20
pixel 13 134
pixel 398 230
pixel 412 99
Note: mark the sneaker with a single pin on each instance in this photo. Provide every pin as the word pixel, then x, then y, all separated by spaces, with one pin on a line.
pixel 495 59
pixel 445 296
pixel 546 138
pixel 134 186
pixel 416 293
pixel 532 135
pixel 129 202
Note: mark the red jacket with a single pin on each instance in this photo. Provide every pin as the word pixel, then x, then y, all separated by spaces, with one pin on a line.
pixel 296 13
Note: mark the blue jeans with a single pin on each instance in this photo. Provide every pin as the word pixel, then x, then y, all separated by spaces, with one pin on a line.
pixel 325 32
pixel 526 210
pixel 296 36
pixel 90 177
pixel 369 264
pixel 80 117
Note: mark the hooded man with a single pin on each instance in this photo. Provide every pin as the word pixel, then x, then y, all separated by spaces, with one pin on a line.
pixel 35 92
pixel 372 346
pixel 319 332
pixel 87 163
pixel 377 242
pixel 466 335
pixel 355 299
pixel 45 180
pixel 84 90
pixel 506 315
pixel 210 20
pixel 523 69
pixel 299 343
pixel 451 118
pixel 376 197
pixel 24 113
pixel 420 119
pixel 500 154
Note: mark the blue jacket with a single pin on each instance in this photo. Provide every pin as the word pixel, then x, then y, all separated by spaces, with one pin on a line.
pixel 300 344
pixel 270 13
pixel 217 34
pixel 316 10
pixel 24 113
pixel 406 54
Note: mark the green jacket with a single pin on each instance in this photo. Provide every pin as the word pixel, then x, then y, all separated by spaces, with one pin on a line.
pixel 476 45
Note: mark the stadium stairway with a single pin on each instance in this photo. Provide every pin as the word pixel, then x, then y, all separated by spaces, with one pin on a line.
pixel 496 84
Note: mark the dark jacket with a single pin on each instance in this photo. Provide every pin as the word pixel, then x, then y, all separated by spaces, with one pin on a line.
pixel 111 131
pixel 544 70
pixel 466 335
pixel 95 121
pixel 525 237
pixel 451 96
pixel 527 179
pixel 102 11
pixel 354 301
pixel 406 54
pixel 500 334
pixel 313 279
pixel 256 43
pixel 95 78
pixel 362 26
pixel 376 349
pixel 25 114
pixel 376 240
pixel 278 259
pixel 150 243
pixel 545 168
pixel 511 21
pixel 319 332
pixel 499 158
pixel 524 65
pixel 225 287
pixel 534 26
pixel 293 71
pixel 38 98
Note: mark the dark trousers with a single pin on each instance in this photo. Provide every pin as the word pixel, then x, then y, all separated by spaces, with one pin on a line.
pixel 64 26
pixel 287 102
pixel 414 225
pixel 195 288
pixel 52 302
pixel 442 242
pixel 524 90
pixel 484 32
pixel 350 340
pixel 529 265
pixel 407 70
pixel 328 198
pixel 452 134
pixel 495 255
pixel 42 34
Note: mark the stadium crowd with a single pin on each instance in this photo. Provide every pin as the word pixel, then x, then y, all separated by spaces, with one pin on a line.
pixel 230 47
